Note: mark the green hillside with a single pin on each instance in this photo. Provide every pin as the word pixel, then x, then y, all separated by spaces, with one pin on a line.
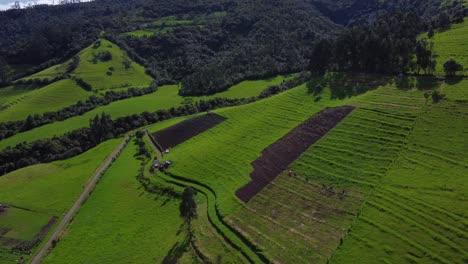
pixel 452 44
pixel 22 103
pixel 47 190
pixel 120 223
pixel 165 98
pixel 112 71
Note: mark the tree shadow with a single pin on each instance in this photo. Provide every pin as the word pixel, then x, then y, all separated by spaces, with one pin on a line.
pixel 454 80
pixel 427 83
pixel 176 252
pixel 345 85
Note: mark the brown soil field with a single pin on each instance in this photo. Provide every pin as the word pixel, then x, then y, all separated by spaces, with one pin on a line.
pixel 278 156
pixel 181 132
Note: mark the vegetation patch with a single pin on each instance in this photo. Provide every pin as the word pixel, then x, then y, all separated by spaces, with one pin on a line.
pixel 277 157
pixel 183 131
pixel 121 223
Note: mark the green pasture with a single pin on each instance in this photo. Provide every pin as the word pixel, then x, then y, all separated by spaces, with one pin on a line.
pixel 100 74
pixel 120 222
pixel 47 190
pixel 418 212
pixel 302 218
pixel 22 103
pixel 52 188
pixel 23 224
pixel 97 73
pixel 452 44
pixel 165 98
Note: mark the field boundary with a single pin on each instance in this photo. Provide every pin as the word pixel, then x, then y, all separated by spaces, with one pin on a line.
pixel 278 156
pixel 237 241
pixel 84 195
pixel 174 135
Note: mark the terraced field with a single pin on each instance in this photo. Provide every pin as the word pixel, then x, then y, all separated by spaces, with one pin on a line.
pixel 48 189
pixel 21 103
pixel 418 212
pixel 221 157
pixel 304 214
pixel 165 98
pixel 121 223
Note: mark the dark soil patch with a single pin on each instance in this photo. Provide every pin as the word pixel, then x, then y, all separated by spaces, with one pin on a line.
pixel 177 134
pixel 45 229
pixel 278 156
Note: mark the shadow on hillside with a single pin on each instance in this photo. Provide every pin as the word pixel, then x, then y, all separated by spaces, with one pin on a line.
pixel 345 85
pixel 420 83
pixel 176 252
pixel 454 80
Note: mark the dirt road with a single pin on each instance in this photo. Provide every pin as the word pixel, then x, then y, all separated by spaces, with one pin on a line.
pixel 88 188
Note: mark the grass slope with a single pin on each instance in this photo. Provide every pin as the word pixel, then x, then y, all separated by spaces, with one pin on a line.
pixel 452 44
pixel 95 72
pixel 120 222
pixel 301 219
pixel 418 212
pixel 49 189
pixel 165 98
pixel 52 97
pixel 221 156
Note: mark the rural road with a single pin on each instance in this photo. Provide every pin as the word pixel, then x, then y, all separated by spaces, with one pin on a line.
pixel 88 188
pixel 159 155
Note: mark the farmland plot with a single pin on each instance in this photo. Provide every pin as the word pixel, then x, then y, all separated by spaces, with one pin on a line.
pixel 303 216
pixel 418 213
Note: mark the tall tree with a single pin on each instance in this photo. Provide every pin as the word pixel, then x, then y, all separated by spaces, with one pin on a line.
pixel 188 206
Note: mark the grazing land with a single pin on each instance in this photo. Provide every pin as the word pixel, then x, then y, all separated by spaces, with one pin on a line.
pixel 120 222
pixel 452 44
pixel 221 157
pixel 165 98
pixel 183 131
pixel 52 97
pixel 277 157
pixel 418 212
pixel 310 209
pixel 104 66
pixel 47 190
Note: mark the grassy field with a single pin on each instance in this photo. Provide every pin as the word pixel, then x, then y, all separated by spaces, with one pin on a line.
pixel 302 218
pixel 221 156
pixel 47 190
pixel 97 75
pixel 52 97
pixel 418 212
pixel 165 98
pixel 23 224
pixel 102 74
pixel 452 44
pixel 120 222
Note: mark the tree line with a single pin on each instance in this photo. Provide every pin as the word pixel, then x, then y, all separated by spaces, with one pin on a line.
pixel 11 128
pixel 102 128
pixel 388 45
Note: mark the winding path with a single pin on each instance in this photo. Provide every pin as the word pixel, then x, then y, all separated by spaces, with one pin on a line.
pixel 232 238
pixel 88 188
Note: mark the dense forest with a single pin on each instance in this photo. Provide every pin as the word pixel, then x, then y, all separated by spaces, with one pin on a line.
pixel 253 38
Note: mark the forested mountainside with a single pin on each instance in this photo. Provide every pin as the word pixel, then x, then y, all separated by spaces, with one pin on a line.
pixel 215 44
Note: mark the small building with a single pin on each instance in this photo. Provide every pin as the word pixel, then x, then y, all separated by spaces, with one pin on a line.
pixel 165 165
pixel 156 164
